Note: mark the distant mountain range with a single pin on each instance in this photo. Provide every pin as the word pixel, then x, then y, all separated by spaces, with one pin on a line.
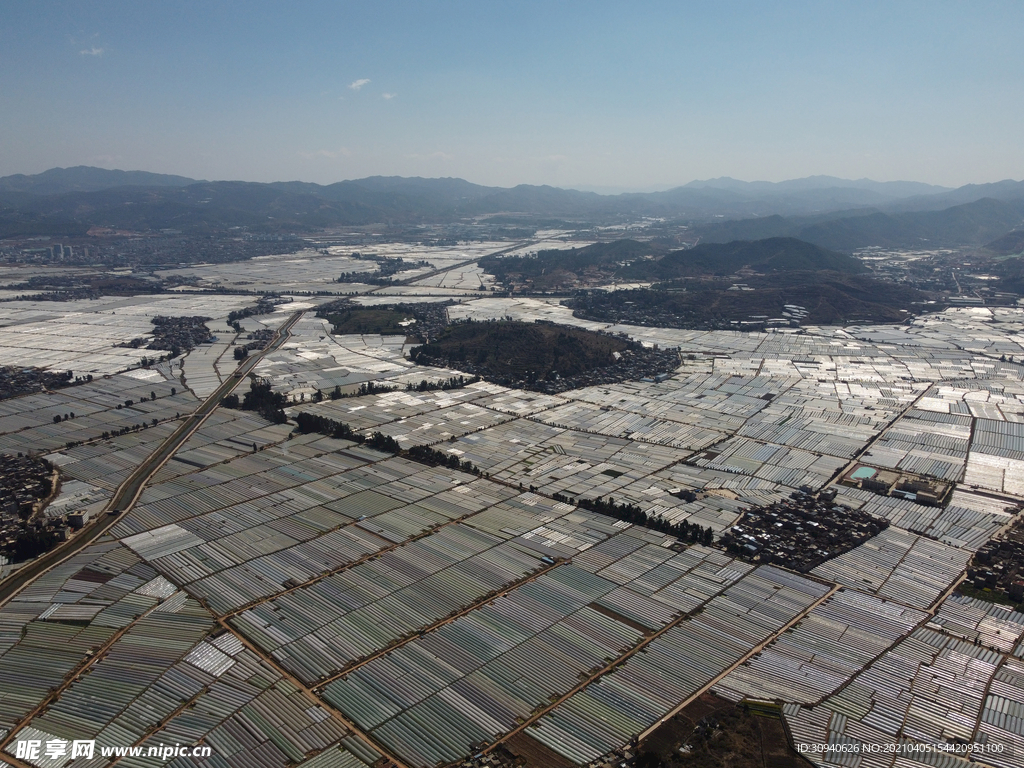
pixel 84 178
pixel 969 224
pixel 834 213
pixel 891 189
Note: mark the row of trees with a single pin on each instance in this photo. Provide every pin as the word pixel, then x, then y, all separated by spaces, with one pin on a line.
pixel 631 513
pixel 455 382
pixel 387 266
pixel 366 388
pixel 426 455
pixel 264 306
pixel 126 430
pixel 314 423
pixel 373 388
pixel 261 398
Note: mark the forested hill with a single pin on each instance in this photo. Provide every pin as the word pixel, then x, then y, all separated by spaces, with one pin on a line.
pixel 771 255
pixel 604 258
pixel 84 178
pixel 636 261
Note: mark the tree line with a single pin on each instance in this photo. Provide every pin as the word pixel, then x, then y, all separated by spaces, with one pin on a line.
pixel 314 423
pixel 630 513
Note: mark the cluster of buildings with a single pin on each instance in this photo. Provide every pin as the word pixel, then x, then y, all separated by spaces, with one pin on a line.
pixel 54 254
pixel 647 365
pixel 15 380
pixel 929 491
pixel 179 334
pixel 256 340
pixel 801 532
pixel 25 482
pixel 999 566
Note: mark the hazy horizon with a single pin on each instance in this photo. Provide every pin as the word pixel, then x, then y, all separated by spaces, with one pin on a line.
pixel 601 96
pixel 597 189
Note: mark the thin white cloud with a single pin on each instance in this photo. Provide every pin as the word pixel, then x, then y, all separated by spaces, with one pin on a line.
pixel 94 51
pixel 388 96
pixel 357 84
pixel 432 156
pixel 330 154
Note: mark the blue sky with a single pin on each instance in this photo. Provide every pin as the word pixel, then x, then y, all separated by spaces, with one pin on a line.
pixel 589 94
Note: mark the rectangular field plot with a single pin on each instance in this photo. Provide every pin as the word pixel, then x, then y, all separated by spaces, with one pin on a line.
pixel 441 424
pixel 320 629
pixel 67 614
pixel 474 679
pixel 163 683
pixel 900 566
pixel 830 645
pixel 555 460
pixel 967 522
pixel 676 665
pixel 84 335
pixel 930 687
pixel 91 411
pixel 926 443
pixel 787 466
pixel 265 522
pixel 618 423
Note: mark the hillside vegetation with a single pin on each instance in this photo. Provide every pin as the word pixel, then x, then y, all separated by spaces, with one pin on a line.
pixel 371 320
pixel 1010 244
pixel 772 255
pixel 551 270
pixel 530 350
pixel 629 260
pixel 829 298
pixel 543 356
